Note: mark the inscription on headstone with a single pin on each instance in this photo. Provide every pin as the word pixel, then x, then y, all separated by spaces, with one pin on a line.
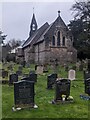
pixel 62 88
pixel 24 94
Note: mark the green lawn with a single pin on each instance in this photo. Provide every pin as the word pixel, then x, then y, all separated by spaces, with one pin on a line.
pixel 78 109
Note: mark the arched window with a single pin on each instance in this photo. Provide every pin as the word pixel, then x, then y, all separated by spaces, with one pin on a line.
pixel 63 42
pixel 58 39
pixel 53 41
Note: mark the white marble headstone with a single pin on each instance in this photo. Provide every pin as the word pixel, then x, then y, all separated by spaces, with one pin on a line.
pixel 71 74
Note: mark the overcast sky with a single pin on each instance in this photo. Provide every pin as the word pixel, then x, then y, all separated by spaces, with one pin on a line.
pixel 16 16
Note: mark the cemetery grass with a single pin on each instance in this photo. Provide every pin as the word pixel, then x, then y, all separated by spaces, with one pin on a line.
pixel 43 97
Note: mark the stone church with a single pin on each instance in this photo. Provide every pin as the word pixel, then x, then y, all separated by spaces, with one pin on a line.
pixel 49 43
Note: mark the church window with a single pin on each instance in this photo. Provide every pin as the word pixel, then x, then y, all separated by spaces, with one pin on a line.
pixel 58 39
pixel 53 41
pixel 63 42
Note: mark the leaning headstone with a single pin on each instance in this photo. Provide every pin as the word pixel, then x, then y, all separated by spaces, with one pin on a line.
pixel 62 89
pixel 51 79
pixel 13 78
pixel 71 74
pixel 39 69
pixel 24 94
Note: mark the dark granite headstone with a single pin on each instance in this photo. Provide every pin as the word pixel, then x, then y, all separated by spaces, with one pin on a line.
pixel 19 72
pixel 13 78
pixel 4 73
pixel 87 86
pixel 86 75
pixel 62 88
pixel 24 94
pixel 88 64
pixel 51 80
pixel 33 77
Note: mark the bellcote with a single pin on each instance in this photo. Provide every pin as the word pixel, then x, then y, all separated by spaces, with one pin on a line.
pixel 33 26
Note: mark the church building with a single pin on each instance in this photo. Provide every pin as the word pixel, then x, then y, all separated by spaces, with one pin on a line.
pixel 49 42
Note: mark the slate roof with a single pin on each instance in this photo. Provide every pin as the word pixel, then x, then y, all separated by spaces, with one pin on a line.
pixel 34 38
pixel 39 34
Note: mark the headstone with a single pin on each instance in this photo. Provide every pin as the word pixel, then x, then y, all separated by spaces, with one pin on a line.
pixel 62 88
pixel 13 78
pixel 39 69
pixel 24 94
pixel 71 74
pixel 51 79
pixel 87 86
pixel 86 75
pixel 88 64
pixel 33 77
pixel 19 72
pixel 4 73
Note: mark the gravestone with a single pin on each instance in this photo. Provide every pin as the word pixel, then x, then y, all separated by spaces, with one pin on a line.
pixel 71 74
pixel 62 88
pixel 88 64
pixel 19 72
pixel 13 78
pixel 24 94
pixel 33 77
pixel 4 73
pixel 86 75
pixel 51 79
pixel 87 86
pixel 39 69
